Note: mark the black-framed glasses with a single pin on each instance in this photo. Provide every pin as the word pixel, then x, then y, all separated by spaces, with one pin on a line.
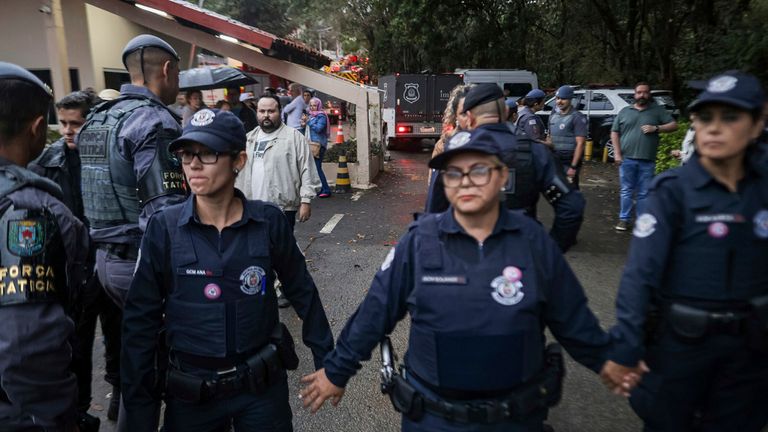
pixel 206 157
pixel 479 175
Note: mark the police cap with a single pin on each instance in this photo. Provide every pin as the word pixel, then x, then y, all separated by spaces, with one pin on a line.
pixel 535 94
pixel 147 41
pixel 478 141
pixel 734 88
pixel 564 92
pixel 482 93
pixel 12 71
pixel 218 130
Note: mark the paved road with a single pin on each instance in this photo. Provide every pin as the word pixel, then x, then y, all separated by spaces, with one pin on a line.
pixel 344 261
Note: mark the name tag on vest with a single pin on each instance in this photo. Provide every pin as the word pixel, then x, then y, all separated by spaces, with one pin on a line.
pixel 444 280
pixel 198 272
pixel 719 217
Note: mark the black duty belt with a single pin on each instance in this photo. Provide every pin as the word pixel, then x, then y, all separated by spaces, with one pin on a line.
pixel 539 393
pixel 255 374
pixel 693 323
pixel 123 251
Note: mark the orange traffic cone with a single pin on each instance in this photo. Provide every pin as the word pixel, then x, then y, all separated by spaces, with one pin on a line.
pixel 342 176
pixel 340 134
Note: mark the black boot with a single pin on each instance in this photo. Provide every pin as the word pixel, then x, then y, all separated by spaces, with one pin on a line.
pixel 114 405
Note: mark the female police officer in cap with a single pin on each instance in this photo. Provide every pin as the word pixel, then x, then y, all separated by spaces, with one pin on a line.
pixel 693 300
pixel 206 272
pixel 480 282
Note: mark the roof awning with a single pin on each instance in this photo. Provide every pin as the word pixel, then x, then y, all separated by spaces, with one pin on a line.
pixel 210 22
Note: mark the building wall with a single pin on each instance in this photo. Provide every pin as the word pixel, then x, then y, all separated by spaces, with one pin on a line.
pixel 94 38
pixel 110 33
pixel 23 37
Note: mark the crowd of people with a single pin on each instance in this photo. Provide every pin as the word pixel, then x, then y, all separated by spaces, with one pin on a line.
pixel 178 238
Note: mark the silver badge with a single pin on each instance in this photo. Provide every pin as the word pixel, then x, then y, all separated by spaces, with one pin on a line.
pixel 761 224
pixel 459 140
pixel 507 288
pixel 204 117
pixel 645 225
pixel 252 280
pixel 722 84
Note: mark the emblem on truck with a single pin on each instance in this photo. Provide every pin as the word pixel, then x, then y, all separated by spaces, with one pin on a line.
pixel 411 92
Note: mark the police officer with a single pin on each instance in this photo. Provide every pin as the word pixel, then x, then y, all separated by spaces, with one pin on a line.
pixel 533 168
pixel 528 123
pixel 44 249
pixel 127 172
pixel 568 130
pixel 693 300
pixel 60 162
pixel 206 272
pixel 480 282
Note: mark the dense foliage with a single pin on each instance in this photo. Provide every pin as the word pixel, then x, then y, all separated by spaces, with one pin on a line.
pixel 666 42
pixel 669 142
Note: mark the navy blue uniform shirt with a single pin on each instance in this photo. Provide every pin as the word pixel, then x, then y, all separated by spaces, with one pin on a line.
pixel 391 295
pixel 692 224
pixel 144 308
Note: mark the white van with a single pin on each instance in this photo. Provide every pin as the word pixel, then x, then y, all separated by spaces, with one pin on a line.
pixel 514 82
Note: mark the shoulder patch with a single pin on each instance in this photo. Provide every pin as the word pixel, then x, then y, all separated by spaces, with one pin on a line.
pixel 645 225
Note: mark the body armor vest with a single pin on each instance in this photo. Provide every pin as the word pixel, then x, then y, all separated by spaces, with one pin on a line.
pixel 521 192
pixel 561 131
pixel 112 195
pixel 706 265
pixel 219 307
pixel 474 327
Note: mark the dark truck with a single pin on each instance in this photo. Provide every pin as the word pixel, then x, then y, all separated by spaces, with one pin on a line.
pixel 413 107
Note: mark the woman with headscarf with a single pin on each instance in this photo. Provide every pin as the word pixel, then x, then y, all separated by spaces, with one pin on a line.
pixel 319 130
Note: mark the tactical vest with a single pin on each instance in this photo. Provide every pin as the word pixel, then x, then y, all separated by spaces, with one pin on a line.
pixel 521 192
pixel 112 195
pixel 217 308
pixel 32 254
pixel 715 259
pixel 474 327
pixel 561 131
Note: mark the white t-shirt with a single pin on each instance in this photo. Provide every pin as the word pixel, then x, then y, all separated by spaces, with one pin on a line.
pixel 258 185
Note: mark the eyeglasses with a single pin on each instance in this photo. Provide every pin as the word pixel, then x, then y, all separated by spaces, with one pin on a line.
pixel 205 157
pixel 479 175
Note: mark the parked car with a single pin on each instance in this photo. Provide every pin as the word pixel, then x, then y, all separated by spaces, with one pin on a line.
pixel 602 106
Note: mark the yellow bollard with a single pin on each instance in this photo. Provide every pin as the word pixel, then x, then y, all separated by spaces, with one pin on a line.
pixel 588 151
pixel 605 154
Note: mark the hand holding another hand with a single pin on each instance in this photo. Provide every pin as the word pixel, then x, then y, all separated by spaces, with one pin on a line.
pixel 622 379
pixel 318 390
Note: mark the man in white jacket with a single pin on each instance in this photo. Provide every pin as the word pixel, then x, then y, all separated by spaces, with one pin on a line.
pixel 280 168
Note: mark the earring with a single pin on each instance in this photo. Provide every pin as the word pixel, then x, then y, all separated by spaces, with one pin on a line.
pixel 236 171
pixel 503 189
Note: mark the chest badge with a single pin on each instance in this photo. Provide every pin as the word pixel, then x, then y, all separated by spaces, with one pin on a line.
pixel 717 229
pixel 252 280
pixel 212 291
pixel 507 288
pixel 761 224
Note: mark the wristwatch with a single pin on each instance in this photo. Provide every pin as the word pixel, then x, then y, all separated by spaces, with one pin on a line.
pixel 574 166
